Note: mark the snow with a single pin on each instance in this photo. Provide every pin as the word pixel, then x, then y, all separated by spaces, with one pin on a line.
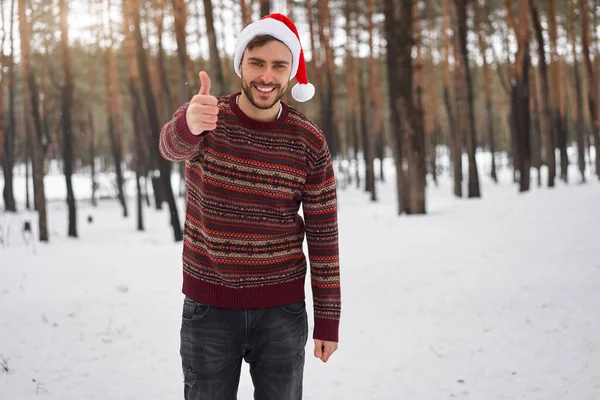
pixel 492 298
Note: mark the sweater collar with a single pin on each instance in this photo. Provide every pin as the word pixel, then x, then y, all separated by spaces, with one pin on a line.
pixel 251 123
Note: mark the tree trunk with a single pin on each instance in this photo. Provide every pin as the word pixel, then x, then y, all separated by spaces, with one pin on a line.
pixel 557 92
pixel 371 114
pixel 592 79
pixel 36 130
pixel 520 96
pixel 489 106
pixel 180 20
pixel 393 16
pixel 433 104
pixel 165 88
pixel 328 114
pixel 265 7
pixel 92 128
pixel 9 142
pixel 164 165
pixel 350 75
pixel 418 167
pixel 546 121
pixel 471 138
pixel 114 125
pixel 67 100
pixel 218 80
pixel 246 12
pixel 136 114
pixel 536 133
pixel 579 123
pixel 455 142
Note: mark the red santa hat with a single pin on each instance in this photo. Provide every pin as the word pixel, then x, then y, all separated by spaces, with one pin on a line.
pixel 283 29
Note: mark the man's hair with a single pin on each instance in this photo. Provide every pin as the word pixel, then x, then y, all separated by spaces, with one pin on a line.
pixel 260 40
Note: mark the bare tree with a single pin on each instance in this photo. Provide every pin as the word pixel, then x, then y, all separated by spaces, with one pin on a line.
pixel 371 133
pixel 35 136
pixel 558 94
pixel 164 165
pixel 9 140
pixel 453 129
pixel 521 117
pixel 489 105
pixel 593 80
pixel 136 112
pixel 218 82
pixel 67 100
pixel 471 139
pixel 546 122
pixel 113 107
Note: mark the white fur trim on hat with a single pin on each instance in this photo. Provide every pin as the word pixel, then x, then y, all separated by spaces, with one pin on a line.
pixel 303 92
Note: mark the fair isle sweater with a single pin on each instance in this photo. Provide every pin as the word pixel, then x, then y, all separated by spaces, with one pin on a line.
pixel 245 183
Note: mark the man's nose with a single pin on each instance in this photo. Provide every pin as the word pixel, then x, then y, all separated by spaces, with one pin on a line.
pixel 267 77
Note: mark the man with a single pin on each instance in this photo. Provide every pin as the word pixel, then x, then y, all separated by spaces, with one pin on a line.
pixel 251 161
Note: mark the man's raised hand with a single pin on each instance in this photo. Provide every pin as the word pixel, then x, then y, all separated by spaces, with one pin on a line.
pixel 202 113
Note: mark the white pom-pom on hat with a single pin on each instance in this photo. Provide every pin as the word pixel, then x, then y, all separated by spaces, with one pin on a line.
pixel 281 28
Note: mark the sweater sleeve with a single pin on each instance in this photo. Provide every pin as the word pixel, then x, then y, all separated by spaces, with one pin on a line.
pixel 319 202
pixel 177 142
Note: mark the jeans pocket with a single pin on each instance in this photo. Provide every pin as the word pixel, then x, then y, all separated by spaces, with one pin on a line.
pixel 294 308
pixel 193 311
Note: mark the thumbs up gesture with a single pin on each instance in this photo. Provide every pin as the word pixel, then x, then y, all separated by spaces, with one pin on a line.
pixel 202 113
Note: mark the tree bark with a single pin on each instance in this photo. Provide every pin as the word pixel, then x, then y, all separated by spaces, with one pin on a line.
pixel 489 105
pixel 393 15
pixel 139 159
pixel 371 114
pixel 180 20
pixel 265 7
pixel 399 28
pixel 579 123
pixel 36 134
pixel 114 125
pixel 67 100
pixel 536 128
pixel 418 167
pixel 164 165
pixel 473 185
pixel 246 12
pixel 521 116
pixel 328 106
pixel 558 93
pixel 92 129
pixel 218 80
pixel 165 88
pixel 593 81
pixel 546 122
pixel 9 142
pixel 454 132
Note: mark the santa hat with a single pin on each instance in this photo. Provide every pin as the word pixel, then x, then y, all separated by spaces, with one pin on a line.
pixel 281 28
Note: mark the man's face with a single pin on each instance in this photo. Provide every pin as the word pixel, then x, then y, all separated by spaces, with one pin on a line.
pixel 265 74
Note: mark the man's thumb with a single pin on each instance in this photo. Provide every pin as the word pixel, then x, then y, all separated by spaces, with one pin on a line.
pixel 204 83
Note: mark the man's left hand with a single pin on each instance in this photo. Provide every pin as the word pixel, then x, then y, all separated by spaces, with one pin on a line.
pixel 324 349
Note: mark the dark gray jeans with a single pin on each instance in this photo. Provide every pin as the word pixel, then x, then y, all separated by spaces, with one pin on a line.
pixel 215 340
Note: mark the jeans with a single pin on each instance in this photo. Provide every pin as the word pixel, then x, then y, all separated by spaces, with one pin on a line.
pixel 215 340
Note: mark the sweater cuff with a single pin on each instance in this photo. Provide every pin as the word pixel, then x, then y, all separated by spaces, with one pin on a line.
pixel 326 329
pixel 184 133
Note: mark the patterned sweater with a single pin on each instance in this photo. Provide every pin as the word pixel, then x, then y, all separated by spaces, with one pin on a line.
pixel 243 235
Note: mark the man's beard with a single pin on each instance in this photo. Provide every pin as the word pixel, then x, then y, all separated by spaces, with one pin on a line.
pixel 247 88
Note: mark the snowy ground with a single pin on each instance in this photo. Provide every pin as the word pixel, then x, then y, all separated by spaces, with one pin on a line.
pixel 485 299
